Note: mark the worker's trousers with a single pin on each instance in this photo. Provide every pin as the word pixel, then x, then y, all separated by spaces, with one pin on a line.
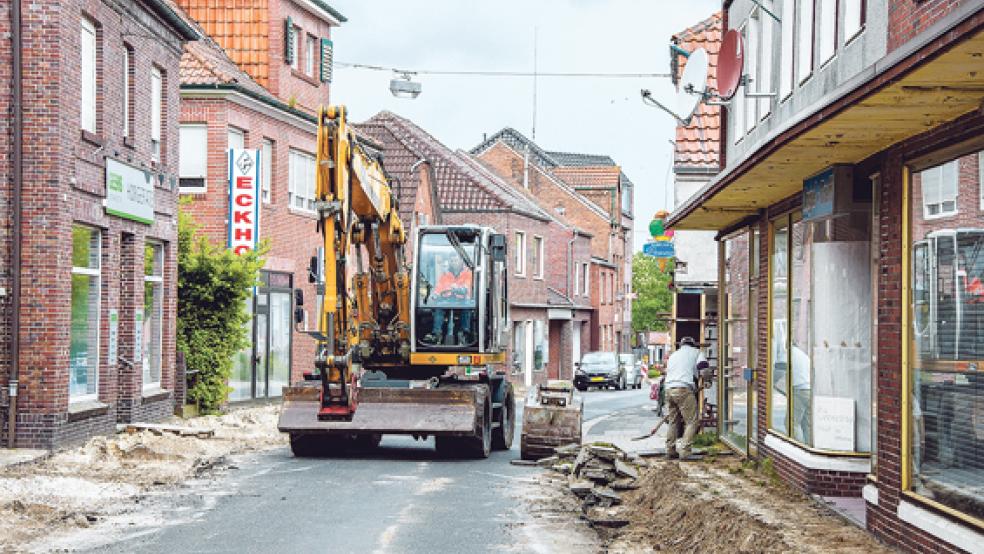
pixel 682 404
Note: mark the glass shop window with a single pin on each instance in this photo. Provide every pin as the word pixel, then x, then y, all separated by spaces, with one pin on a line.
pixel 86 296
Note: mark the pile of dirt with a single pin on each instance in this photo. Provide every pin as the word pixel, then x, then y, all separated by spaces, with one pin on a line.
pixel 108 475
pixel 723 505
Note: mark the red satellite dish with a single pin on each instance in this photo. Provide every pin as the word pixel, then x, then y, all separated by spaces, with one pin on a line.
pixel 731 64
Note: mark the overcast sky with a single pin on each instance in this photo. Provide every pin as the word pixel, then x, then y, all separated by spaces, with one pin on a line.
pixel 597 116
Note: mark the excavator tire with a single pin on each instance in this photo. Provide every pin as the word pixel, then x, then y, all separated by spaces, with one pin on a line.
pixel 502 436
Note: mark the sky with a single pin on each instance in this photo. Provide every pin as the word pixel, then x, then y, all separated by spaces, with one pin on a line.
pixel 595 116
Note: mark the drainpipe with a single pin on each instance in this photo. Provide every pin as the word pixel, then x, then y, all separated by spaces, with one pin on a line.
pixel 18 176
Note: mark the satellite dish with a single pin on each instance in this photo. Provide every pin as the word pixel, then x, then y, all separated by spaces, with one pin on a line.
pixel 693 85
pixel 731 64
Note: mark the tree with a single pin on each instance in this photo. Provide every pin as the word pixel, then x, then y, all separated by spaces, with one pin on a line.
pixel 213 287
pixel 653 296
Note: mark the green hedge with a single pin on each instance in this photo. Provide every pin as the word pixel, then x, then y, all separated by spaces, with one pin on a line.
pixel 213 321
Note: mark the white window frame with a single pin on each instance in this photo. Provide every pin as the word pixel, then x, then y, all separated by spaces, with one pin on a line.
pixel 266 167
pixel 576 289
pixel 939 169
pixel 159 279
pixel 538 249
pixel 826 31
pixel 520 258
pixel 156 112
pixel 89 68
pixel 804 39
pixel 97 273
pixel 854 19
pixel 127 70
pixel 310 47
pixel 301 175
pixel 295 63
pixel 739 103
pixel 787 65
pixel 188 152
pixel 586 291
pixel 767 27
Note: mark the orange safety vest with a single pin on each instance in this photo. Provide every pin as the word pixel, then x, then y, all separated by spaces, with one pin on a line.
pixel 449 281
pixel 975 288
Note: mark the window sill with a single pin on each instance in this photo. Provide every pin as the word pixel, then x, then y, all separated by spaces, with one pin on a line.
pixel 92 138
pixel 154 393
pixel 78 411
pixel 305 213
pixel 305 77
pixel 192 190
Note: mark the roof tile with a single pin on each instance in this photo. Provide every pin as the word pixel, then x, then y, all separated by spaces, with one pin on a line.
pixel 698 145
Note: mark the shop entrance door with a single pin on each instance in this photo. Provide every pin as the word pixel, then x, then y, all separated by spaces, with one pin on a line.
pixel 262 370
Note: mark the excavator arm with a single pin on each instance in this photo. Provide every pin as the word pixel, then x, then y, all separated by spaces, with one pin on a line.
pixel 365 315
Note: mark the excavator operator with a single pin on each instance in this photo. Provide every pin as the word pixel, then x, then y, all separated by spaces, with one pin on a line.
pixel 454 287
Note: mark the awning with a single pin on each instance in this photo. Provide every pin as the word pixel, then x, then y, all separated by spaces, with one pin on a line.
pixel 923 84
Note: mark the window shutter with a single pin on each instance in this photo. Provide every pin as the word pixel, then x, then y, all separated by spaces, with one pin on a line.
pixel 289 41
pixel 327 51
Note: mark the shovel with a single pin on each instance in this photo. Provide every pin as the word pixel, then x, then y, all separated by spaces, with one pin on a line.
pixel 653 432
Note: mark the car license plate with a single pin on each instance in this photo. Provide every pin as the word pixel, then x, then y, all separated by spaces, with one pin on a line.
pixel 597 378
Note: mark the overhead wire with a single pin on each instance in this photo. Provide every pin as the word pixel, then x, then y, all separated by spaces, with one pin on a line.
pixel 400 71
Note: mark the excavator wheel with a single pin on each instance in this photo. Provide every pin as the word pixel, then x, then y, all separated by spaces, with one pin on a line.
pixel 502 436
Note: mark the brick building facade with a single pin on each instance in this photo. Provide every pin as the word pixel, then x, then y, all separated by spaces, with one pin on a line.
pixel 95 343
pixel 224 104
pixel 549 319
pixel 593 191
pixel 862 329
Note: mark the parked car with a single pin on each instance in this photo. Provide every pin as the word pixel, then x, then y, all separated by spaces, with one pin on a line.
pixel 630 367
pixel 599 369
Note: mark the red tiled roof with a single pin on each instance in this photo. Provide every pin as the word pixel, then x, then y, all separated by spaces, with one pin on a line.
pixel 460 185
pixel 582 176
pixel 698 145
pixel 398 159
pixel 243 26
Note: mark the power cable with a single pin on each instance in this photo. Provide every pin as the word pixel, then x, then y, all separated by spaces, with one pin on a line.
pixel 502 73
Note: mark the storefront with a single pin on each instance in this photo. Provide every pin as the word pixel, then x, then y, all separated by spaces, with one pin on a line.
pixel 262 369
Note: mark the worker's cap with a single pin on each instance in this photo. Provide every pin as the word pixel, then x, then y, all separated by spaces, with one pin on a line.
pixel 689 341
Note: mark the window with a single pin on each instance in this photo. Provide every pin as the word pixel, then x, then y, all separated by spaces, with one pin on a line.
pixel 84 345
pixel 946 338
pixel 156 112
pixel 193 157
pixel 786 40
pixel 127 89
pixel 576 289
pixel 585 269
pixel 804 39
pixel 520 253
pixel 853 18
pixel 541 345
pixel 153 314
pixel 266 166
pixel 538 257
pixel 310 51
pixel 88 67
pixel 295 37
pixel 752 32
pixel 765 63
pixel 938 186
pixel 777 333
pixel 236 138
pixel 300 180
pixel 828 30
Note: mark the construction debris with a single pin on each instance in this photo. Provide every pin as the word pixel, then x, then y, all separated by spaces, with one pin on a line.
pixel 595 473
pixel 159 430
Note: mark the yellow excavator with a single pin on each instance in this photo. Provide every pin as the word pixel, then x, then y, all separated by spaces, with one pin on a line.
pixel 411 349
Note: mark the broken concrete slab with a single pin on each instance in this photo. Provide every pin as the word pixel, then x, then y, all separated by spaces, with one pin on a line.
pixel 626 470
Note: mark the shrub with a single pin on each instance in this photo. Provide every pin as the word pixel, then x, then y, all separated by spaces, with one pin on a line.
pixel 654 373
pixel 213 323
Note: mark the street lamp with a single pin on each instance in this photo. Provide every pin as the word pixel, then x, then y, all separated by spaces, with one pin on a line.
pixel 403 87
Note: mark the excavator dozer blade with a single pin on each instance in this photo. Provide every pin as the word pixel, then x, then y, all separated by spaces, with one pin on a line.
pixel 546 427
pixel 446 411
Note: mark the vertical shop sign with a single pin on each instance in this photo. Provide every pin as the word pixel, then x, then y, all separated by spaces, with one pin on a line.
pixel 244 194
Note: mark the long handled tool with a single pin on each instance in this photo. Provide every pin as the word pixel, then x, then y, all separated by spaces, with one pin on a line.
pixel 653 432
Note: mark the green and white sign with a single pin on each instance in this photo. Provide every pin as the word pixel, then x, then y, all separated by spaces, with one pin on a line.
pixel 114 335
pixel 129 192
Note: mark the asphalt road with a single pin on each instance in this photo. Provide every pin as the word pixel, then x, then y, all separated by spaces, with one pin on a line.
pixel 401 498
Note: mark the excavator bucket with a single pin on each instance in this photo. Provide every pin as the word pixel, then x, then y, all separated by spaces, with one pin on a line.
pixel 441 411
pixel 551 418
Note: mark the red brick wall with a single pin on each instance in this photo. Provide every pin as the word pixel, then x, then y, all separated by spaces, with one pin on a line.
pixel 286 83
pixel 291 234
pixel 64 182
pixel 909 18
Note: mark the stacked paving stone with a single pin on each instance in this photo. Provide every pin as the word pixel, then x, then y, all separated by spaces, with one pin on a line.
pixel 596 473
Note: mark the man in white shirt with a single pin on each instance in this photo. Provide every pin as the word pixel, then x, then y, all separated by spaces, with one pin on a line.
pixel 682 370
